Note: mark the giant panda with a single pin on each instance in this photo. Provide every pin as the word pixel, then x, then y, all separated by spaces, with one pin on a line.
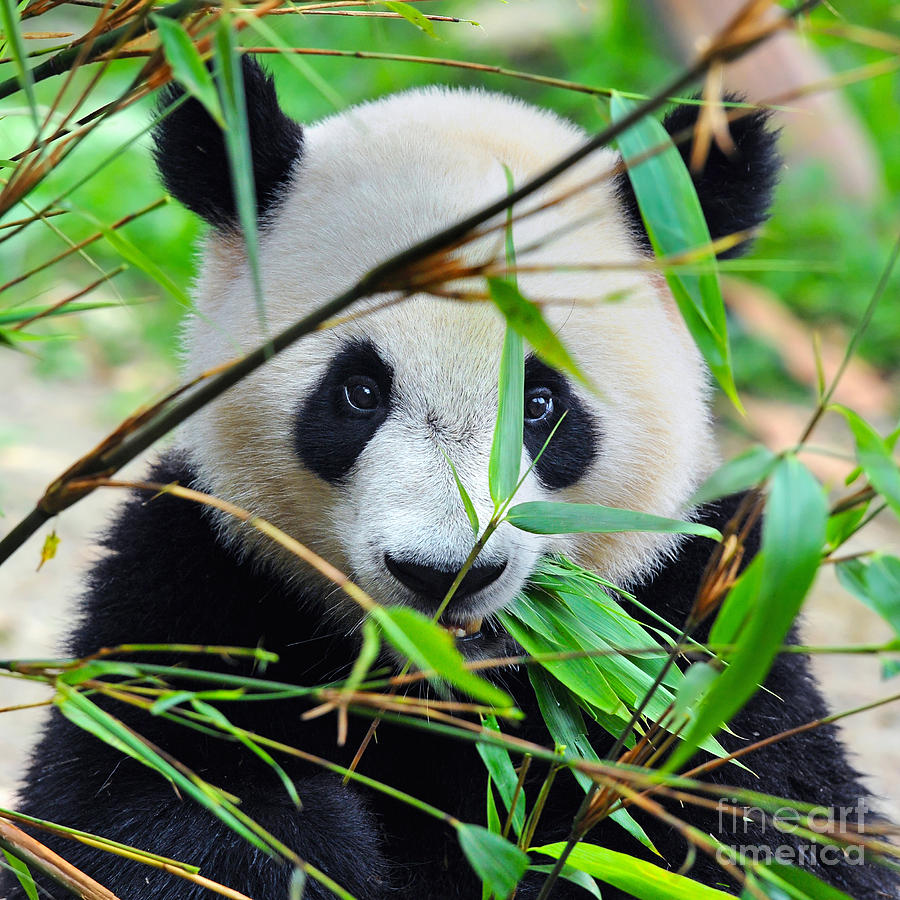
pixel 340 441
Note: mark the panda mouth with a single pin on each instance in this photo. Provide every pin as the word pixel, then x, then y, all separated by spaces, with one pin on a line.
pixel 469 630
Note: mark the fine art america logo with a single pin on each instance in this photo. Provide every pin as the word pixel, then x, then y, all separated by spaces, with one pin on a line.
pixel 792 836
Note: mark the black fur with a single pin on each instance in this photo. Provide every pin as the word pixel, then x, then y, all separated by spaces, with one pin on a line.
pixel 166 578
pixel 577 439
pixel 735 191
pixel 329 434
pixel 191 156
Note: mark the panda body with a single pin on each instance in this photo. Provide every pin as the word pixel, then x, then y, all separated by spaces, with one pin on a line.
pixel 340 441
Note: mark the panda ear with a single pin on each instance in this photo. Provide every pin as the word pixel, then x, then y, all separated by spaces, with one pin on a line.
pixel 735 190
pixel 193 162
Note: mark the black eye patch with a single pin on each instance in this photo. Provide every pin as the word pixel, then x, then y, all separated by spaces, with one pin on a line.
pixel 574 445
pixel 343 412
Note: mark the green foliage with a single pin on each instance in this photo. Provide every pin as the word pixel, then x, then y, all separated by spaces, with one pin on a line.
pixel 506 448
pixel 22 875
pixel 676 225
pixel 499 863
pixel 877 583
pixel 783 882
pixel 592 657
pixel 504 776
pixel 430 648
pixel 640 879
pixel 545 517
pixel 782 573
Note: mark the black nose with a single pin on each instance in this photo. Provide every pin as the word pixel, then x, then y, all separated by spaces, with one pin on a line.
pixel 434 583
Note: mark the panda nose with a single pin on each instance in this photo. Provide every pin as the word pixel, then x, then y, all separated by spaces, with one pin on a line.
pixel 434 583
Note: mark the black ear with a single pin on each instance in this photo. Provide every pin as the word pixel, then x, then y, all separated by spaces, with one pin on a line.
pixel 735 190
pixel 193 162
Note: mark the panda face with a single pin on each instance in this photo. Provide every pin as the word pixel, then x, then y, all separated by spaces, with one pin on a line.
pixel 342 440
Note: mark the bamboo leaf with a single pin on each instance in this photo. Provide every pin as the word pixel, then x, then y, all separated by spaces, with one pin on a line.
pixel 635 877
pixel 793 536
pixel 413 16
pixel 20 870
pixel 582 879
pixel 15 46
pixel 230 83
pixel 428 646
pixel 580 675
pixel 217 718
pixel 744 471
pixel 82 712
pixel 464 495
pixel 526 318
pixel 875 455
pixel 546 517
pixel 798 884
pixel 187 66
pixel 21 313
pixel 134 255
pixel 698 679
pixel 876 583
pixel 502 772
pixel 675 224
pixel 506 448
pixel 497 862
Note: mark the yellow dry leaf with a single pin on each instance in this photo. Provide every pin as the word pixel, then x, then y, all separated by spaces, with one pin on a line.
pixel 48 551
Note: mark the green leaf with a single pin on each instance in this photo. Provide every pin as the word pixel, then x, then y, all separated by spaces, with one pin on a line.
pixel 842 525
pixel 876 458
pixel 737 605
pixel 494 826
pixel 526 318
pixel 497 862
pixel 464 494
pixel 368 653
pixel 793 536
pixel 493 817
pixel 698 679
pixel 100 668
pixel 187 65
pixel 798 884
pixel 890 668
pixel 15 46
pixel 428 646
pixel 506 448
pixel 413 16
pixel 675 223
pixel 580 675
pixel 545 517
pixel 82 712
pixel 134 255
pixel 876 583
pixel 230 84
pixel 20 870
pixel 636 877
pixel 217 718
pixel 582 879
pixel 502 772
pixel 744 471
pixel 21 313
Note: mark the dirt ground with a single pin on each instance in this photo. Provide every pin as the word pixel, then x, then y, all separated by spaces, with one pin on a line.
pixel 44 425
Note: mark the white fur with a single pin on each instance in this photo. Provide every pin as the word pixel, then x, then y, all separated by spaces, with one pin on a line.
pixel 371 182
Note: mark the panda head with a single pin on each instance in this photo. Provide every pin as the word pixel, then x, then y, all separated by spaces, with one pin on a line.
pixel 343 439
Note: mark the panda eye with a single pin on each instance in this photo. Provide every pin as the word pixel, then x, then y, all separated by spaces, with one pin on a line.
pixel 362 394
pixel 538 404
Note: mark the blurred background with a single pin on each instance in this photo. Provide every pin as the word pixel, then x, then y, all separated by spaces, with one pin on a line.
pixel 812 272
